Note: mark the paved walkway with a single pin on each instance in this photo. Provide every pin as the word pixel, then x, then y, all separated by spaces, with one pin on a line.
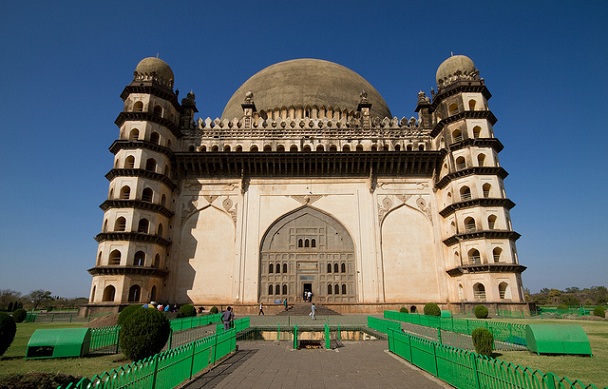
pixel 267 364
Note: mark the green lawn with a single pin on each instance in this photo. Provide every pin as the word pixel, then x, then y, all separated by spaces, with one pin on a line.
pixel 592 370
pixel 13 362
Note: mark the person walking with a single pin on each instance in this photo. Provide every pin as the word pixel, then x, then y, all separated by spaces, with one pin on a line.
pixel 313 311
pixel 261 310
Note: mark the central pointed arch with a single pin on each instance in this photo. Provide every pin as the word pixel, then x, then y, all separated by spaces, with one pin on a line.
pixel 307 250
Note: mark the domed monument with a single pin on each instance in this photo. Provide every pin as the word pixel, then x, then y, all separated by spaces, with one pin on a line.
pixel 307 183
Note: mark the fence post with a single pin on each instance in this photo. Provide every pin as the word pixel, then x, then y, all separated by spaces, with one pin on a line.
pixel 549 379
pixel 155 371
pixel 339 334
pixel 117 340
pixel 439 335
pixel 192 361
pixel 475 370
pixel 435 359
pixel 214 347
pixel 327 339
pixel 295 337
pixel 279 332
pixel 170 338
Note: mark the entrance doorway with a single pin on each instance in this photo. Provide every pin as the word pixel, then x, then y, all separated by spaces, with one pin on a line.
pixel 306 287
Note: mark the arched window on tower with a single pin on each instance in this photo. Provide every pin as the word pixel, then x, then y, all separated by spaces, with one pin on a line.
pixel 158 110
pixel 284 289
pixel 270 268
pixel 139 259
pixel 469 225
pixel 453 109
pixel 346 148
pixel 253 149
pixel 336 268
pixel 329 289
pixel 155 138
pixel 481 158
pixel 159 230
pixel 300 242
pixel 138 106
pixel 134 293
pixel 476 132
pixel 496 254
pixel 147 195
pixel 120 224
pixel 277 289
pixel 472 104
pixel 313 243
pixel 143 226
pixel 343 267
pixel 156 263
pixel 461 163
pixel 486 190
pixel 504 291
pixel 343 288
pixel 397 147
pixel 109 293
pixel 267 148
pixel 479 292
pixel 227 148
pixel 306 149
pixel 336 289
pixel 457 136
pixel 130 162
pixel 134 134
pixel 114 257
pixel 465 193
pixel 492 222
pixel 281 148
pixel 125 193
pixel 151 165
pixel 474 257
pixel 333 148
pixel 284 268
pixel 306 243
pixel 293 148
pixel 329 267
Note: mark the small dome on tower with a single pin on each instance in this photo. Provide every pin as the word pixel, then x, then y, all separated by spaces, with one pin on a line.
pixel 150 65
pixel 455 64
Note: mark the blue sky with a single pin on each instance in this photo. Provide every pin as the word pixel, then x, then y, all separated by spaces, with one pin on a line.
pixel 64 64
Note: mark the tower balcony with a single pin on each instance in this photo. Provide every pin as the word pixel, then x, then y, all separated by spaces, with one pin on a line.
pixel 482 234
pixel 139 144
pixel 132 237
pixel 137 204
pixel 478 202
pixel 127 270
pixel 141 173
pixel 148 117
pixel 472 171
pixel 486 268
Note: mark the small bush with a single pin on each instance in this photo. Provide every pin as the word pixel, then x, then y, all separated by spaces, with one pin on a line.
pixel 599 311
pixel 186 310
pixel 8 329
pixel 483 340
pixel 214 310
pixel 144 333
pixel 126 312
pixel 404 310
pixel 432 309
pixel 19 315
pixel 562 307
pixel 481 312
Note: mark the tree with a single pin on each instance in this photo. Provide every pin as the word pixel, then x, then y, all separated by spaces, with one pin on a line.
pixel 8 329
pixel 8 296
pixel 144 333
pixel 37 297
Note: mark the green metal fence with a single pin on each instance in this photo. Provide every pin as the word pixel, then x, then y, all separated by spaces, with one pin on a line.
pixel 105 338
pixel 504 332
pixel 187 323
pixel 167 369
pixel 466 369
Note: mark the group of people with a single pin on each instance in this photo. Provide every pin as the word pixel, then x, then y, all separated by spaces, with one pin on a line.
pixel 307 295
pixel 161 307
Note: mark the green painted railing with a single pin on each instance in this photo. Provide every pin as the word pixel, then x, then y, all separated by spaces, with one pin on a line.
pixel 382 325
pixel 238 324
pixel 504 332
pixel 104 337
pixel 167 369
pixel 466 369
pixel 187 323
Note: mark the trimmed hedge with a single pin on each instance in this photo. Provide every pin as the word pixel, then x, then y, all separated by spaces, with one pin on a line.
pixel 8 329
pixel 432 309
pixel 144 333
pixel 186 310
pixel 483 340
pixel 214 310
pixel 599 311
pixel 481 312
pixel 404 310
pixel 126 312
pixel 19 315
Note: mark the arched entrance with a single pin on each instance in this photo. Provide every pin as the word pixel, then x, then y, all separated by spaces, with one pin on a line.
pixel 307 250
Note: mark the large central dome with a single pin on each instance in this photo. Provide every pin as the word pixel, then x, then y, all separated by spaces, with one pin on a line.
pixel 306 83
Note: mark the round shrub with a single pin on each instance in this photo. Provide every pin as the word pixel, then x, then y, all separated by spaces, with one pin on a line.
pixel 144 333
pixel 432 309
pixel 483 340
pixel 126 312
pixel 481 312
pixel 404 310
pixel 19 315
pixel 186 310
pixel 214 310
pixel 599 311
pixel 8 329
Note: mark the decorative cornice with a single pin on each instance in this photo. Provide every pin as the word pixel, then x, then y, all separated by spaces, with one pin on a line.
pixel 477 171
pixel 127 270
pixel 151 88
pixel 137 204
pixel 149 117
pixel 308 164
pixel 139 144
pixel 486 268
pixel 494 143
pixel 482 234
pixel 488 115
pixel 141 173
pixel 480 202
pixel 464 86
pixel 132 237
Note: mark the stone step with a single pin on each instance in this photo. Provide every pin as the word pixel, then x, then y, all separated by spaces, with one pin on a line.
pixel 304 309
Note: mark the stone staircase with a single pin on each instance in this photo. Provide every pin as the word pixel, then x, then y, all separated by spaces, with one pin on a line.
pixel 303 309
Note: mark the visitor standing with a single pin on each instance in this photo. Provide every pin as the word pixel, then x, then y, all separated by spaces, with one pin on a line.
pixel 261 310
pixel 227 318
pixel 313 311
pixel 285 303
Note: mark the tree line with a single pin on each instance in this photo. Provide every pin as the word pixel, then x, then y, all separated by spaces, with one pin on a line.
pixel 36 299
pixel 572 296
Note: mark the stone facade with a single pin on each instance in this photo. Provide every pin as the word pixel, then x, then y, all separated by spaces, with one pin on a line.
pixel 293 194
